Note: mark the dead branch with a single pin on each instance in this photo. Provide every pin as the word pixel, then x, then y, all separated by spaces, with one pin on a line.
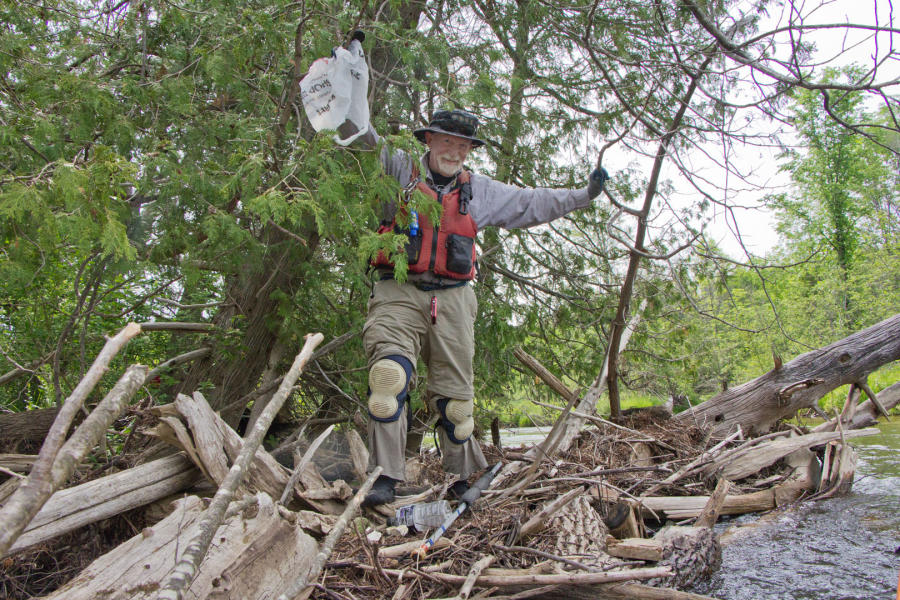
pixel 302 583
pixel 541 371
pixel 874 398
pixel 479 566
pixel 176 326
pixel 177 360
pixel 186 568
pixel 298 469
pixel 53 466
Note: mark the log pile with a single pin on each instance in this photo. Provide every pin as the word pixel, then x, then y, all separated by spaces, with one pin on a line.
pixel 615 510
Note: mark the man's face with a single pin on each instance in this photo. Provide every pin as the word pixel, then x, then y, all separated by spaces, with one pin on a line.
pixel 448 152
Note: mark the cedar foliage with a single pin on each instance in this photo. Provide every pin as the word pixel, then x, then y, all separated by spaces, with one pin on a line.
pixel 156 165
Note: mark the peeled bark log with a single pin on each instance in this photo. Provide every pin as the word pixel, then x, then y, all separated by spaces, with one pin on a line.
pixel 106 497
pixel 740 466
pixel 253 557
pixel 757 405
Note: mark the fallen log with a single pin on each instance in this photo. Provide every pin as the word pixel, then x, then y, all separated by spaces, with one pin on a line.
pixel 17 463
pixel 866 413
pixel 253 557
pixel 737 467
pixel 28 428
pixel 757 405
pixel 106 497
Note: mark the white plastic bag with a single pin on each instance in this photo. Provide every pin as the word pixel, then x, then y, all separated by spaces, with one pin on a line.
pixel 334 93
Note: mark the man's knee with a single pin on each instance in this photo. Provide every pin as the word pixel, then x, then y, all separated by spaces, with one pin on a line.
pixel 456 418
pixel 388 387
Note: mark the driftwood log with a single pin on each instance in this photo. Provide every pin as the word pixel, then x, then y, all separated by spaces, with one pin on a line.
pixel 254 556
pixel 757 405
pixel 106 497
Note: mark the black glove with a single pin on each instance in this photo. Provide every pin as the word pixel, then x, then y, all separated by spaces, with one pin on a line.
pixel 596 181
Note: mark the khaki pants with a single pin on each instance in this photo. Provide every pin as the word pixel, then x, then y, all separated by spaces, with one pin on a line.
pixel 400 322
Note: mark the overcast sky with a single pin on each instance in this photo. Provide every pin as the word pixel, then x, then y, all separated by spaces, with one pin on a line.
pixel 834 47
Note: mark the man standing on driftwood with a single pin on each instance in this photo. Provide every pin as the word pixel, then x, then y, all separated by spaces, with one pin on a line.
pixel 432 314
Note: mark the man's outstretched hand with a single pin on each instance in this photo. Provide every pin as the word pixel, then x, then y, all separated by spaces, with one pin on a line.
pixel 595 183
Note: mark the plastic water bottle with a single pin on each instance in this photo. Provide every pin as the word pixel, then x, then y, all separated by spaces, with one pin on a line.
pixel 413 223
pixel 423 516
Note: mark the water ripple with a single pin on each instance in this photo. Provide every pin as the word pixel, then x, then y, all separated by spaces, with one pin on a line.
pixel 836 549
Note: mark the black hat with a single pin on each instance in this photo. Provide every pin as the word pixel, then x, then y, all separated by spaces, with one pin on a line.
pixel 452 122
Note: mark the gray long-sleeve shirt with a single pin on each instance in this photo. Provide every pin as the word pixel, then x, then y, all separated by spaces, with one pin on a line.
pixel 493 203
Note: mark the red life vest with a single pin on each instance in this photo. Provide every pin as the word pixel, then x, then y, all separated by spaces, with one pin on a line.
pixel 448 250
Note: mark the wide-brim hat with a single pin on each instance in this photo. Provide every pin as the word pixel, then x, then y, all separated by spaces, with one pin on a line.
pixel 454 122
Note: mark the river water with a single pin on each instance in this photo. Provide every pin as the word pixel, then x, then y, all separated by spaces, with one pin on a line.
pixel 843 548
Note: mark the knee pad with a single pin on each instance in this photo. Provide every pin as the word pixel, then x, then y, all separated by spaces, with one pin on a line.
pixel 456 418
pixel 388 383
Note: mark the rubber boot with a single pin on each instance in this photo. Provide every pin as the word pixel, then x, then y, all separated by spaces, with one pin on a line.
pixel 458 488
pixel 382 492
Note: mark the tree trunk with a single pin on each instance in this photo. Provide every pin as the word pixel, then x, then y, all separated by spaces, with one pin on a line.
pixel 232 372
pixel 757 405
pixel 26 430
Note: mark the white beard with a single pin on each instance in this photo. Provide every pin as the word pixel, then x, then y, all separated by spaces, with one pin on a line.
pixel 448 167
